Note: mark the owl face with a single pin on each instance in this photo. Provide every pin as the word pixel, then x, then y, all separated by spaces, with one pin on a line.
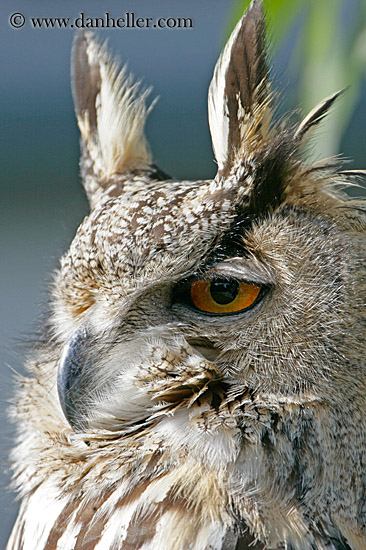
pixel 190 268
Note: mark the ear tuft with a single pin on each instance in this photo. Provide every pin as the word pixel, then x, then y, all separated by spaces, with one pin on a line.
pixel 239 95
pixel 316 115
pixel 111 113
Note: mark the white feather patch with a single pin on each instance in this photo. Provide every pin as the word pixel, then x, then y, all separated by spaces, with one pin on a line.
pixel 218 115
pixel 36 518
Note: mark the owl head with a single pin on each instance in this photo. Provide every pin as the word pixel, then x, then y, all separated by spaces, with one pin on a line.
pixel 254 274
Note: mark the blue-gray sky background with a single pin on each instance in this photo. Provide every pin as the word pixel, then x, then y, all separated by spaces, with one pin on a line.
pixel 42 201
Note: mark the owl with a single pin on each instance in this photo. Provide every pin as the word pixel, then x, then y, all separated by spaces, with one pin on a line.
pixel 201 383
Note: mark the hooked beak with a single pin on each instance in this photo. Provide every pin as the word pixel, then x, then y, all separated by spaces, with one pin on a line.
pixel 73 388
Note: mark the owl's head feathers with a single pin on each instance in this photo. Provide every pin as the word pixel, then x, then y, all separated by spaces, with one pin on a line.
pixel 147 244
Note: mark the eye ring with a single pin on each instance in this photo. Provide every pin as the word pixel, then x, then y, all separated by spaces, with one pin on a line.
pixel 219 296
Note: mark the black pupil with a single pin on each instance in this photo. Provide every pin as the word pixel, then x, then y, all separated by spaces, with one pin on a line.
pixel 224 292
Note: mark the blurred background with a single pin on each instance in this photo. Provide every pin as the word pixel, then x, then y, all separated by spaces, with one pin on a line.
pixel 320 47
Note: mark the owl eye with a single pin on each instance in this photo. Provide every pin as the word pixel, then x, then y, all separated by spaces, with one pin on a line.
pixel 220 296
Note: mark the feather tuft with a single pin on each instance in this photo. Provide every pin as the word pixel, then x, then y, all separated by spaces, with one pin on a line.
pixel 110 109
pixel 316 115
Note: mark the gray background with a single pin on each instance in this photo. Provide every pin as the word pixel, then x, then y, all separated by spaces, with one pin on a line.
pixel 42 201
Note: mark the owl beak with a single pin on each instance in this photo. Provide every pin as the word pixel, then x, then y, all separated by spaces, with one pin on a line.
pixel 72 382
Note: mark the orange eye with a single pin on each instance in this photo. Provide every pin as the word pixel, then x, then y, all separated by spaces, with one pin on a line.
pixel 223 296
